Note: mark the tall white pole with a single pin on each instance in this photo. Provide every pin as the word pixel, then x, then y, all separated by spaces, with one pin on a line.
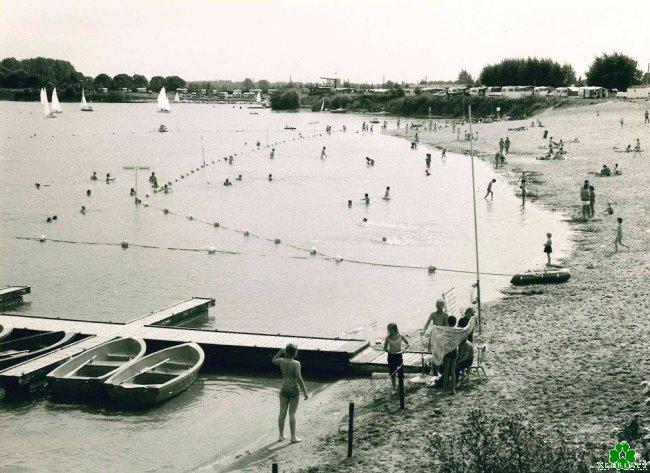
pixel 478 278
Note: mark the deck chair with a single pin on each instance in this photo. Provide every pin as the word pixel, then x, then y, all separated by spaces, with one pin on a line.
pixel 479 360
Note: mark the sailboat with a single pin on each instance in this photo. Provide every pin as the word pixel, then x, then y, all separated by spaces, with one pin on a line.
pixel 258 101
pixel 177 99
pixel 84 105
pixel 322 106
pixel 56 105
pixel 340 109
pixel 45 104
pixel 163 102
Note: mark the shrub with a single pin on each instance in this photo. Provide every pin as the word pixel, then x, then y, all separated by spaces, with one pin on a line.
pixel 285 100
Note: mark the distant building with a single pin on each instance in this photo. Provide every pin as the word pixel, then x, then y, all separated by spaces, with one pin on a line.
pixel 181 90
pixel 203 91
pixel 236 92
pixel 378 91
pixel 638 92
pixel 125 89
pixel 103 90
pixel 141 89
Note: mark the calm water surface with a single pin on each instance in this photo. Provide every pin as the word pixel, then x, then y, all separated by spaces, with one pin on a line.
pixel 264 287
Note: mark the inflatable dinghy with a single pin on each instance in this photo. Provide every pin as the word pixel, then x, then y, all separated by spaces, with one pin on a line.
pixel 549 276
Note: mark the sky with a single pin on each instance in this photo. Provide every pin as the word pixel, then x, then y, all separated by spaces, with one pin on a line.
pixel 360 40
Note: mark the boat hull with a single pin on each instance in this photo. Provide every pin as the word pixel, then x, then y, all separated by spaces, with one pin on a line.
pixel 540 277
pixel 144 396
pixel 27 348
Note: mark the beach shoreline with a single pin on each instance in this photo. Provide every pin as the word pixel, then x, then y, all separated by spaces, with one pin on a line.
pixel 552 355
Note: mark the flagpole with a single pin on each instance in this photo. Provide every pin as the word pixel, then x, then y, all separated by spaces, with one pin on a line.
pixel 478 280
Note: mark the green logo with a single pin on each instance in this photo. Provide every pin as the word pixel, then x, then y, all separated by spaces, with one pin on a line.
pixel 622 456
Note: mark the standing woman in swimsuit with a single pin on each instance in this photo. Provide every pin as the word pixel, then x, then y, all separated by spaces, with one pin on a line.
pixel 292 384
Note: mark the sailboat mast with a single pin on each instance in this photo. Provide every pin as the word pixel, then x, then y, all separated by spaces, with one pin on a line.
pixel 478 277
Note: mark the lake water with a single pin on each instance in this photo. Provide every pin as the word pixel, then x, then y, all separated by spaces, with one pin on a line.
pixel 263 287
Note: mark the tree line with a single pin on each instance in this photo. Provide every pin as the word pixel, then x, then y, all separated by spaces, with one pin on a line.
pixel 33 74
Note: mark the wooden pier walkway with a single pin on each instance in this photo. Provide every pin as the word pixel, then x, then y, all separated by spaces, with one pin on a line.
pixel 223 350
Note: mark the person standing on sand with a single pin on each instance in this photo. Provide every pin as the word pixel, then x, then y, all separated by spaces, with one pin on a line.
pixel 497 159
pixel 507 144
pixel 489 189
pixel 428 160
pixel 592 201
pixel 272 155
pixel 393 346
pixel 548 249
pixel 647 117
pixel 443 156
pixel 621 122
pixel 292 384
pixel 522 186
pixel 323 155
pixel 584 200
pixel 637 148
pixel 501 145
pixel 449 363
pixel 619 235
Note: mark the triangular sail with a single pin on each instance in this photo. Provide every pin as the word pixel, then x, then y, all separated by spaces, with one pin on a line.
pixel 44 102
pixel 322 106
pixel 163 101
pixel 83 99
pixel 56 105
pixel 258 97
pixel 177 98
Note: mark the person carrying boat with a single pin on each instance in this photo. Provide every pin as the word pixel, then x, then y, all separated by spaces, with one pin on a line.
pixel 292 384
pixel 437 318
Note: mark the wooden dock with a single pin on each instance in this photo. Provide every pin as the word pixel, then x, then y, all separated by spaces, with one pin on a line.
pixel 224 350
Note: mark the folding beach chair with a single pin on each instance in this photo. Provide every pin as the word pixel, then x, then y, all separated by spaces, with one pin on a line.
pixel 479 360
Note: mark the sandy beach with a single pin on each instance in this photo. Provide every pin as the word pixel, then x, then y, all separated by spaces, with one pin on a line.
pixel 571 356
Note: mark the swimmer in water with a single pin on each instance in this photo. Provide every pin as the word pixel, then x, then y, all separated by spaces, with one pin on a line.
pixel 88 192
pixel 239 178
pixel 387 194
pixel 227 182
pixel 132 192
pixel 38 186
pixel 49 220
pixel 323 155
pixel 83 209
pixel 270 178
pixel 366 199
pixel 109 178
pixel 427 172
pixel 272 155
pixel 94 176
pixel 54 218
pixel 349 204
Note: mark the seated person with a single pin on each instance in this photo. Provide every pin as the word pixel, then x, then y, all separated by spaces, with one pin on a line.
pixel 628 149
pixel 617 171
pixel 605 171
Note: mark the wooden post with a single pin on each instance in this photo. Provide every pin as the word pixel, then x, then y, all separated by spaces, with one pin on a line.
pixel 274 468
pixel 400 379
pixel 350 428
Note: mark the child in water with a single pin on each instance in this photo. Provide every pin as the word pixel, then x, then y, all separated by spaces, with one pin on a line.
pixel 393 346
pixel 366 199
pixel 548 249
pixel 387 194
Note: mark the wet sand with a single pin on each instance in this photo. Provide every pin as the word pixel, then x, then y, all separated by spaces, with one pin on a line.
pixel 571 355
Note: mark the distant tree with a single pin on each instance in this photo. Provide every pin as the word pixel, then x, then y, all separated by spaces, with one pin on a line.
pixel 156 83
pixel 264 85
pixel 287 99
pixel 173 82
pixel 123 80
pixel 465 78
pixel 614 71
pixel 104 80
pixel 530 71
pixel 418 90
pixel 248 84
pixel 12 64
pixel 139 81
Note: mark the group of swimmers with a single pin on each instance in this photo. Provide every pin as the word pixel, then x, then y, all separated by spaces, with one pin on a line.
pixel 366 198
pixel 108 179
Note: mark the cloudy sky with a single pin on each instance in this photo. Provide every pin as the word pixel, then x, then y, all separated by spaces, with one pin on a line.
pixel 363 40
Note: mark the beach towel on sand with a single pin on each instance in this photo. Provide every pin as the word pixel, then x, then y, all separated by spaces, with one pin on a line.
pixel 445 339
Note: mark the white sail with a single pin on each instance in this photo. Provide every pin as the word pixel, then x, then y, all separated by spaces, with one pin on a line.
pixel 322 106
pixel 56 105
pixel 84 105
pixel 177 98
pixel 44 102
pixel 258 97
pixel 163 101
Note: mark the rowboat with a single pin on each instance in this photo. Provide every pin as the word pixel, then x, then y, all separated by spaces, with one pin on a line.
pixel 339 110
pixel 22 349
pixel 5 330
pixel 85 373
pixel 550 276
pixel 287 127
pixel 156 377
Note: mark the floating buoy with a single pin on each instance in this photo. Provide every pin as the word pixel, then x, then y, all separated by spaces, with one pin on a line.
pixel 182 177
pixel 338 258
pixel 165 211
pixel 146 204
pixel 215 224
pixel 124 244
pixel 190 217
pixel 211 250
pixel 383 239
pixel 42 239
pixel 247 232
pixel 277 241
pixel 313 251
pixel 431 269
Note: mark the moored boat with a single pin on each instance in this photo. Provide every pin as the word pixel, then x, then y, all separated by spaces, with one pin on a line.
pixel 163 102
pixel 56 105
pixel 339 110
pixel 85 373
pixel 549 276
pixel 156 377
pixel 287 127
pixel 22 349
